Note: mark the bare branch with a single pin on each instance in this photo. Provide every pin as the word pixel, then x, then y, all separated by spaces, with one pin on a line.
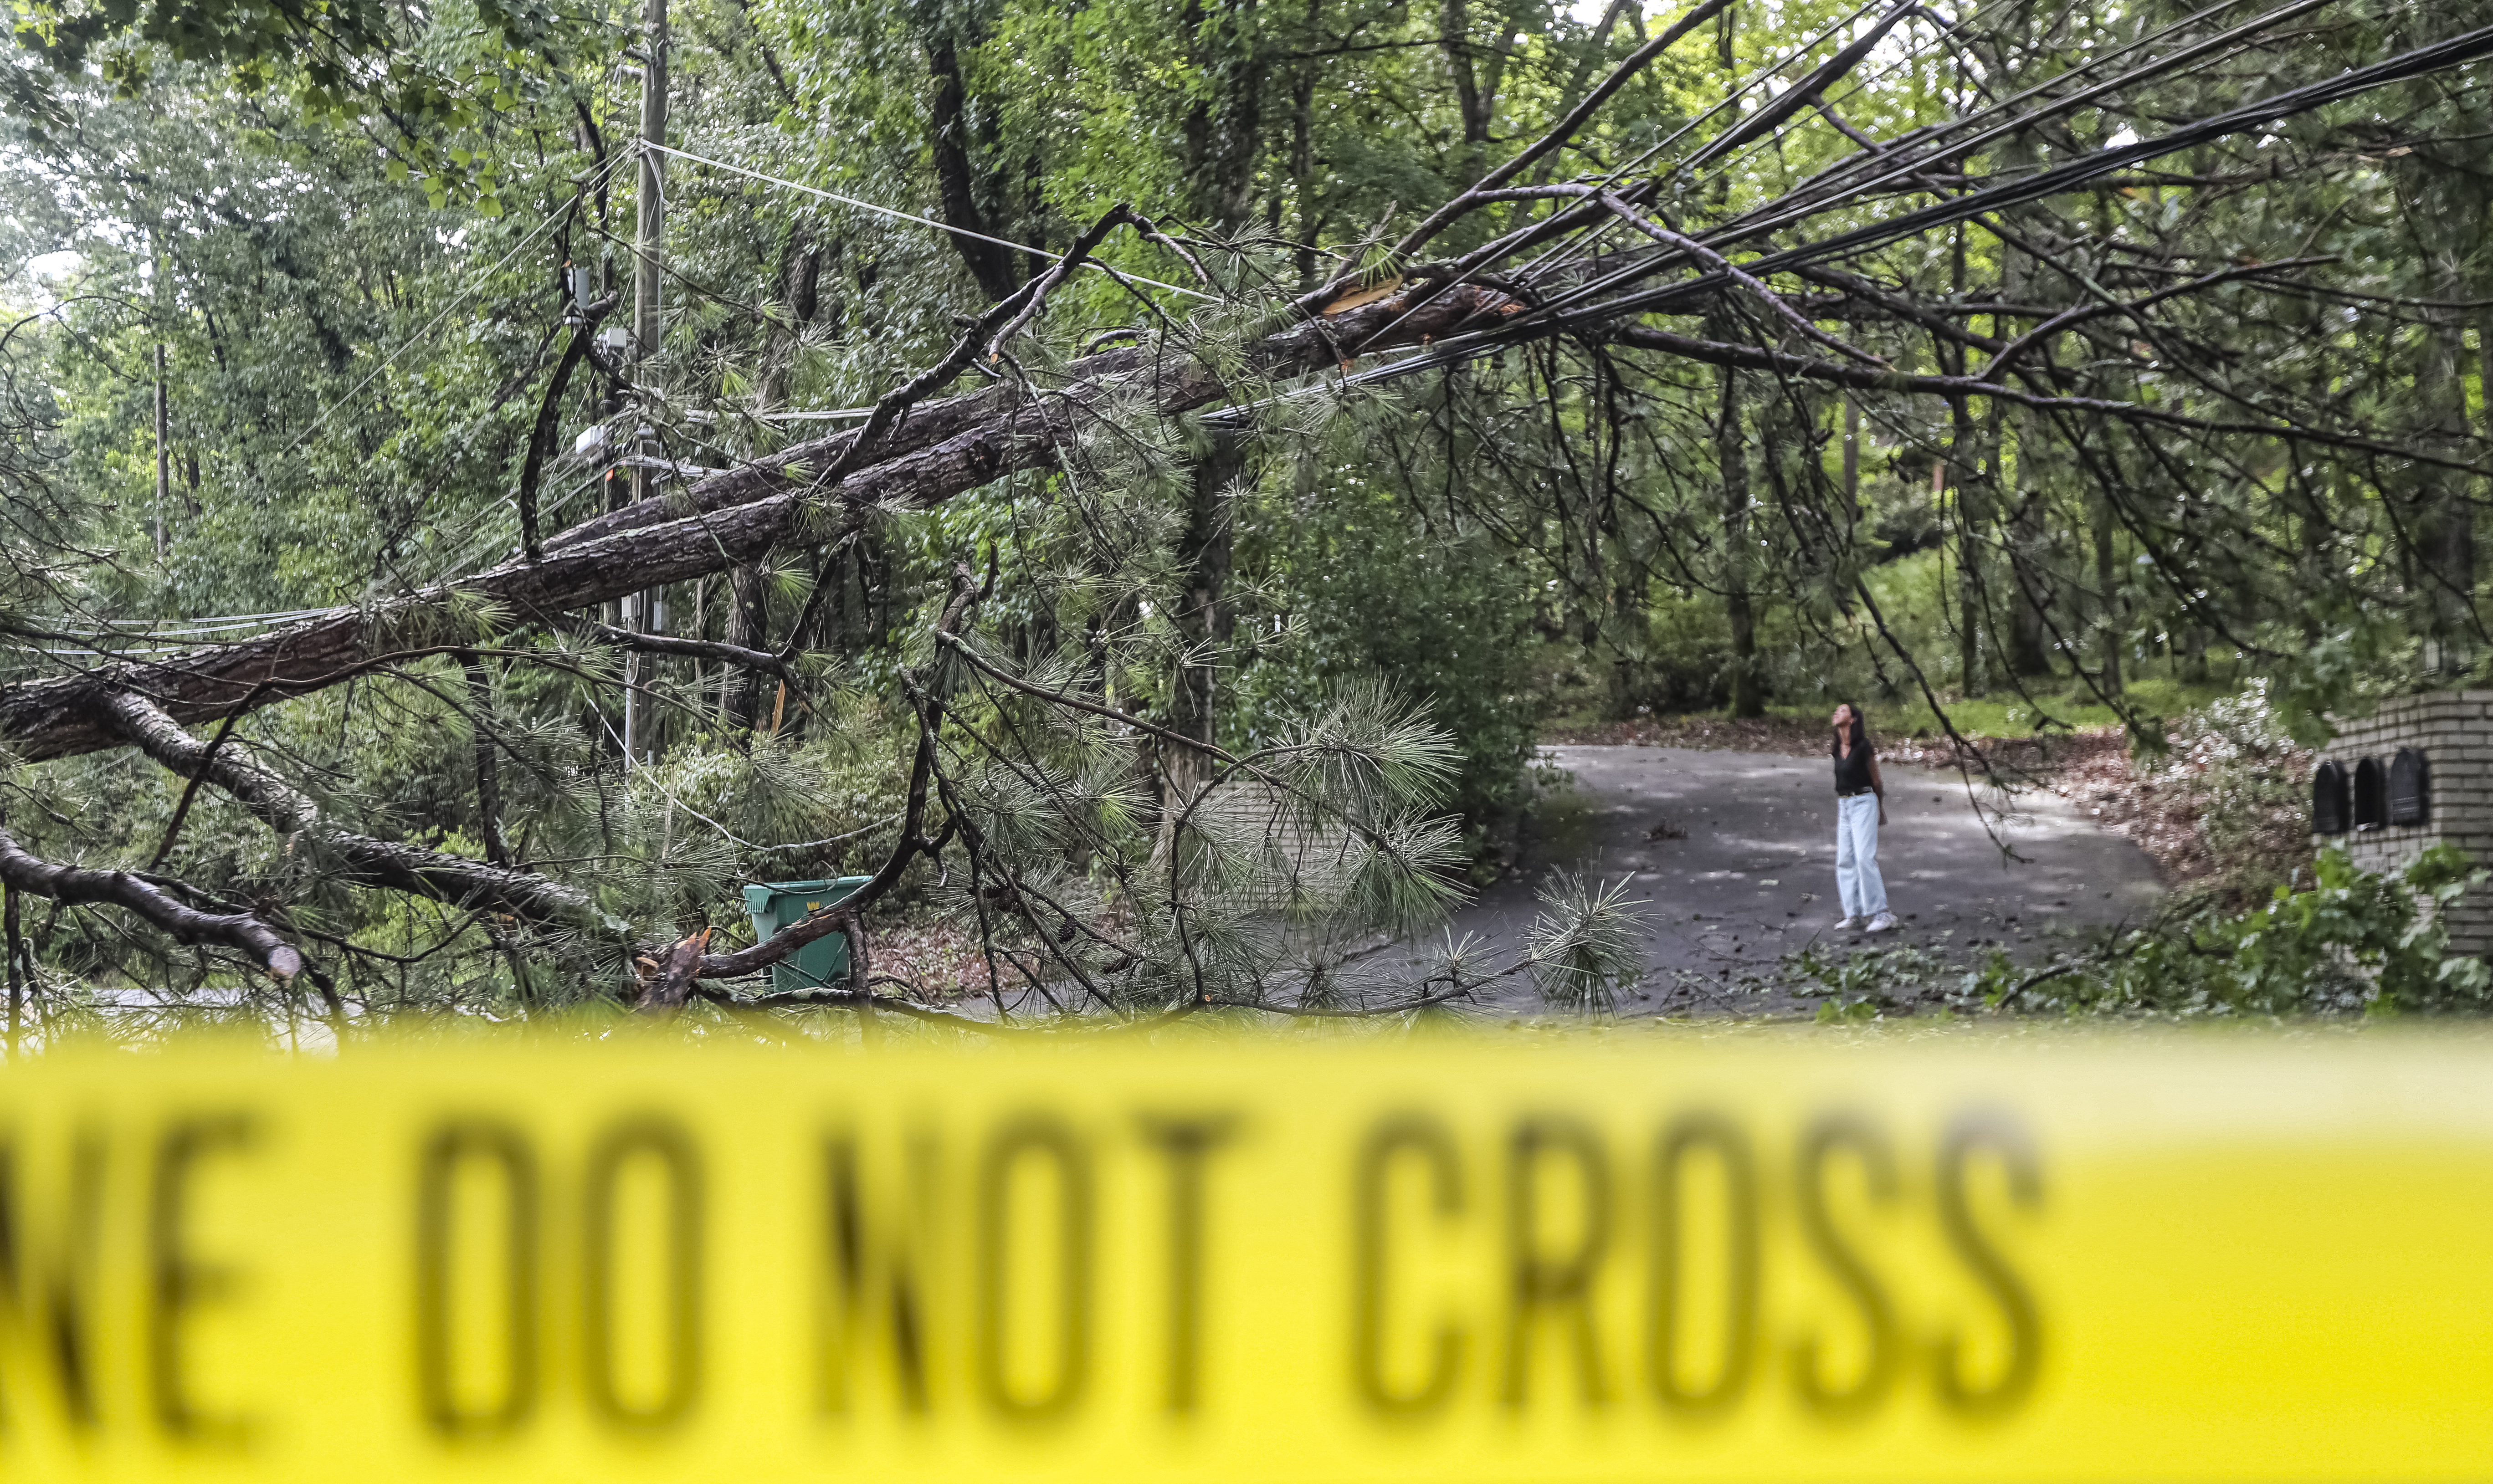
pixel 72 885
pixel 364 861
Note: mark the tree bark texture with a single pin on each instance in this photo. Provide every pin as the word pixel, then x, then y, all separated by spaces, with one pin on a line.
pixel 1731 455
pixel 358 859
pixel 184 924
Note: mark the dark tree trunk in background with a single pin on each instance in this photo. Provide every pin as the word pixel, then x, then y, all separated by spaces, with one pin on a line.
pixel 1851 459
pixel 2029 650
pixel 1204 618
pixel 489 778
pixel 2033 556
pixel 1221 140
pixel 748 625
pixel 1962 475
pixel 1963 451
pixel 1222 129
pixel 2446 209
pixel 2446 522
pixel 1307 223
pixel 957 176
pixel 748 621
pixel 11 941
pixel 1454 33
pixel 2108 585
pixel 1477 75
pixel 1731 454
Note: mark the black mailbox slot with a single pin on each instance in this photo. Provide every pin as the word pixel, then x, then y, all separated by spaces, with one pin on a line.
pixel 2410 788
pixel 2371 795
pixel 2330 805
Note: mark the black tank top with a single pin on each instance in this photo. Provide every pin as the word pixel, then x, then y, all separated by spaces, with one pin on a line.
pixel 1851 774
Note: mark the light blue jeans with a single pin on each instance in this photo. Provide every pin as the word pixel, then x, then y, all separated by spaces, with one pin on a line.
pixel 1856 857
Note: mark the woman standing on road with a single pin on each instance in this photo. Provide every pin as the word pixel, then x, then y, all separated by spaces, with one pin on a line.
pixel 1861 808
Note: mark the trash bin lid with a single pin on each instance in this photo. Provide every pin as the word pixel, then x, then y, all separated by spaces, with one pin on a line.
pixel 757 894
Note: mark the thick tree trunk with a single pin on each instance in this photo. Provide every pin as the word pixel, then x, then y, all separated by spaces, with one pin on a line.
pixel 956 175
pixel 1204 617
pixel 1732 455
pixel 2114 619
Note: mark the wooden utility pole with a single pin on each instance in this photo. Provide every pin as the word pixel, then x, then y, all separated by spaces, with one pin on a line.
pixel 163 443
pixel 164 453
pixel 646 610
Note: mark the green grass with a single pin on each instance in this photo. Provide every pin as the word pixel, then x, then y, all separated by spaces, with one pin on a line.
pixel 1566 693
pixel 2057 705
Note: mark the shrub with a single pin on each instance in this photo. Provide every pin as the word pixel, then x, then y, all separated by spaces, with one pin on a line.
pixel 2355 943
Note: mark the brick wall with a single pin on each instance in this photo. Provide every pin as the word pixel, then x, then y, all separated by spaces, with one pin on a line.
pixel 2455 731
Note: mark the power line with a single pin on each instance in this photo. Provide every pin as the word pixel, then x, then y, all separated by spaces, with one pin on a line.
pixel 435 322
pixel 887 211
pixel 1558 318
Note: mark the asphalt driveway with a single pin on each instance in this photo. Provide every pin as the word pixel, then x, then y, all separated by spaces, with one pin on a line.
pixel 1732 856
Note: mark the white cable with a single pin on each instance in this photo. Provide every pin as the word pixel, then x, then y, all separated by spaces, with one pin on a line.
pixel 199 625
pixel 206 625
pixel 941 226
pixel 454 305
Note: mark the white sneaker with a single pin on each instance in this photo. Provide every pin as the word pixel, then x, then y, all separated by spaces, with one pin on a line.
pixel 1846 923
pixel 1881 923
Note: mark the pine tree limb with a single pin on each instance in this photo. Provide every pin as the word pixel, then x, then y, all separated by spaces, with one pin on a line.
pixel 74 885
pixel 360 859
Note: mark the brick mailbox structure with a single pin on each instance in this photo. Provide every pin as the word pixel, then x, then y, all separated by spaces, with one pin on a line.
pixel 2416 771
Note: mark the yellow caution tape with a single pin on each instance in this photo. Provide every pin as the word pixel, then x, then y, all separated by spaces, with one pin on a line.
pixel 1239 1261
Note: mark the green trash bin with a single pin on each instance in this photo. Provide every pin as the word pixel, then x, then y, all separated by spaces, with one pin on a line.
pixel 774 904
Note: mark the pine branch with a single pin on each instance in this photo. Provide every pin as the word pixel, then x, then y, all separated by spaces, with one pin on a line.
pixel 74 885
pixel 364 860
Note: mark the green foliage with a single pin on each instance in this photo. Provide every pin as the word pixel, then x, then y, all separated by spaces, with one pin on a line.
pixel 2353 941
pixel 1587 946
pixel 1354 578
pixel 334 60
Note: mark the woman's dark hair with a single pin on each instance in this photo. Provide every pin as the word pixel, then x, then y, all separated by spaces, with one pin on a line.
pixel 1860 730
